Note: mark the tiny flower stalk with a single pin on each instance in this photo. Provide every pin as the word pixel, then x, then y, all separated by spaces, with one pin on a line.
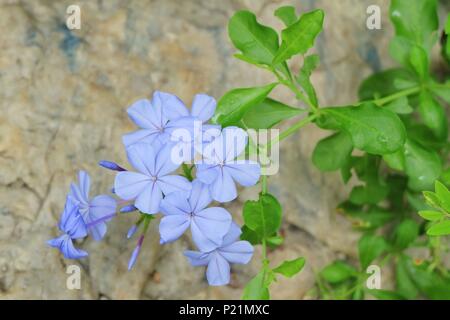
pixel 146 219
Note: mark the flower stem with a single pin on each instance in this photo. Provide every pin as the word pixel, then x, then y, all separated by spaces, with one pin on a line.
pixel 292 129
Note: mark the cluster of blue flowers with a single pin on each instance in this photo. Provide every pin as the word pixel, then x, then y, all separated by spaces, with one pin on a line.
pixel 171 135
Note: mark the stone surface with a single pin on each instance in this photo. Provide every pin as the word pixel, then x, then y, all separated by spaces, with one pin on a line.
pixel 63 96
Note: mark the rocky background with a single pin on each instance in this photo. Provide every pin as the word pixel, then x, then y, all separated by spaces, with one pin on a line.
pixel 63 96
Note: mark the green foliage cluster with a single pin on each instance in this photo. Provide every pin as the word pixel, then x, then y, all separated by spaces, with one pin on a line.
pixel 393 142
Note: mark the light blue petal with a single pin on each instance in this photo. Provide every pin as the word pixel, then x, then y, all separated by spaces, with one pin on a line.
pixel 173 183
pixel 245 172
pixel 199 197
pixel 166 160
pixel 218 271
pixel 223 189
pixel 196 258
pixel 69 251
pixel 128 185
pixel 101 209
pixel 238 252
pixel 175 203
pixel 232 235
pixel 85 183
pixel 140 136
pixel 235 141
pixel 209 226
pixel 159 115
pixel 173 226
pixel 142 157
pixel 71 221
pixel 203 107
pixel 207 173
pixel 173 107
pixel 149 200
pixel 142 114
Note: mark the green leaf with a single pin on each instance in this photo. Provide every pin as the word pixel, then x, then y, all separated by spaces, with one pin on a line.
pixel 432 199
pixel 422 166
pixel 269 113
pixel 414 20
pixel 385 83
pixel 419 61
pixel 250 235
pixel 439 229
pixel 433 115
pixel 442 90
pixel 405 233
pixel 443 194
pixel 374 218
pixel 290 268
pixel 431 215
pixel 399 49
pixel 256 289
pixel 235 103
pixel 373 129
pixel 275 241
pixel 333 152
pixel 395 160
pixel 405 285
pixel 309 64
pixel 338 271
pixel 385 294
pixel 256 41
pixel 399 106
pixel 432 285
pixel 263 216
pixel 300 36
pixel 286 14
pixel 368 194
pixel 370 247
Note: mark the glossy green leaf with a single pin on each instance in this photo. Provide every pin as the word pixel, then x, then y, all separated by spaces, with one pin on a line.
pixel 332 152
pixel 300 36
pixel 430 284
pixel 423 166
pixel 309 64
pixel 414 20
pixel 385 83
pixel 404 284
pixel 250 235
pixel 290 268
pixel 373 129
pixel 431 215
pixel 442 90
pixel 235 103
pixel 443 194
pixel 433 115
pixel 399 106
pixel 439 229
pixel 419 61
pixel 256 41
pixel 269 113
pixel 405 233
pixel 263 216
pixel 338 271
pixel 370 247
pixel 395 160
pixel 256 289
pixel 286 14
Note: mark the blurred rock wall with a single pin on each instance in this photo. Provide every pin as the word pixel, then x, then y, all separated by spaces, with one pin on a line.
pixel 63 96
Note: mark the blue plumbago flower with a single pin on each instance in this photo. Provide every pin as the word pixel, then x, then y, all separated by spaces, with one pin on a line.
pixel 219 167
pixel 181 210
pixel 156 118
pixel 96 211
pixel 218 260
pixel 73 227
pixel 147 186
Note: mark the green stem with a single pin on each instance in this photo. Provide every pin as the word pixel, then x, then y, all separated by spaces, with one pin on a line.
pixel 292 129
pixel 298 93
pixel 395 96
